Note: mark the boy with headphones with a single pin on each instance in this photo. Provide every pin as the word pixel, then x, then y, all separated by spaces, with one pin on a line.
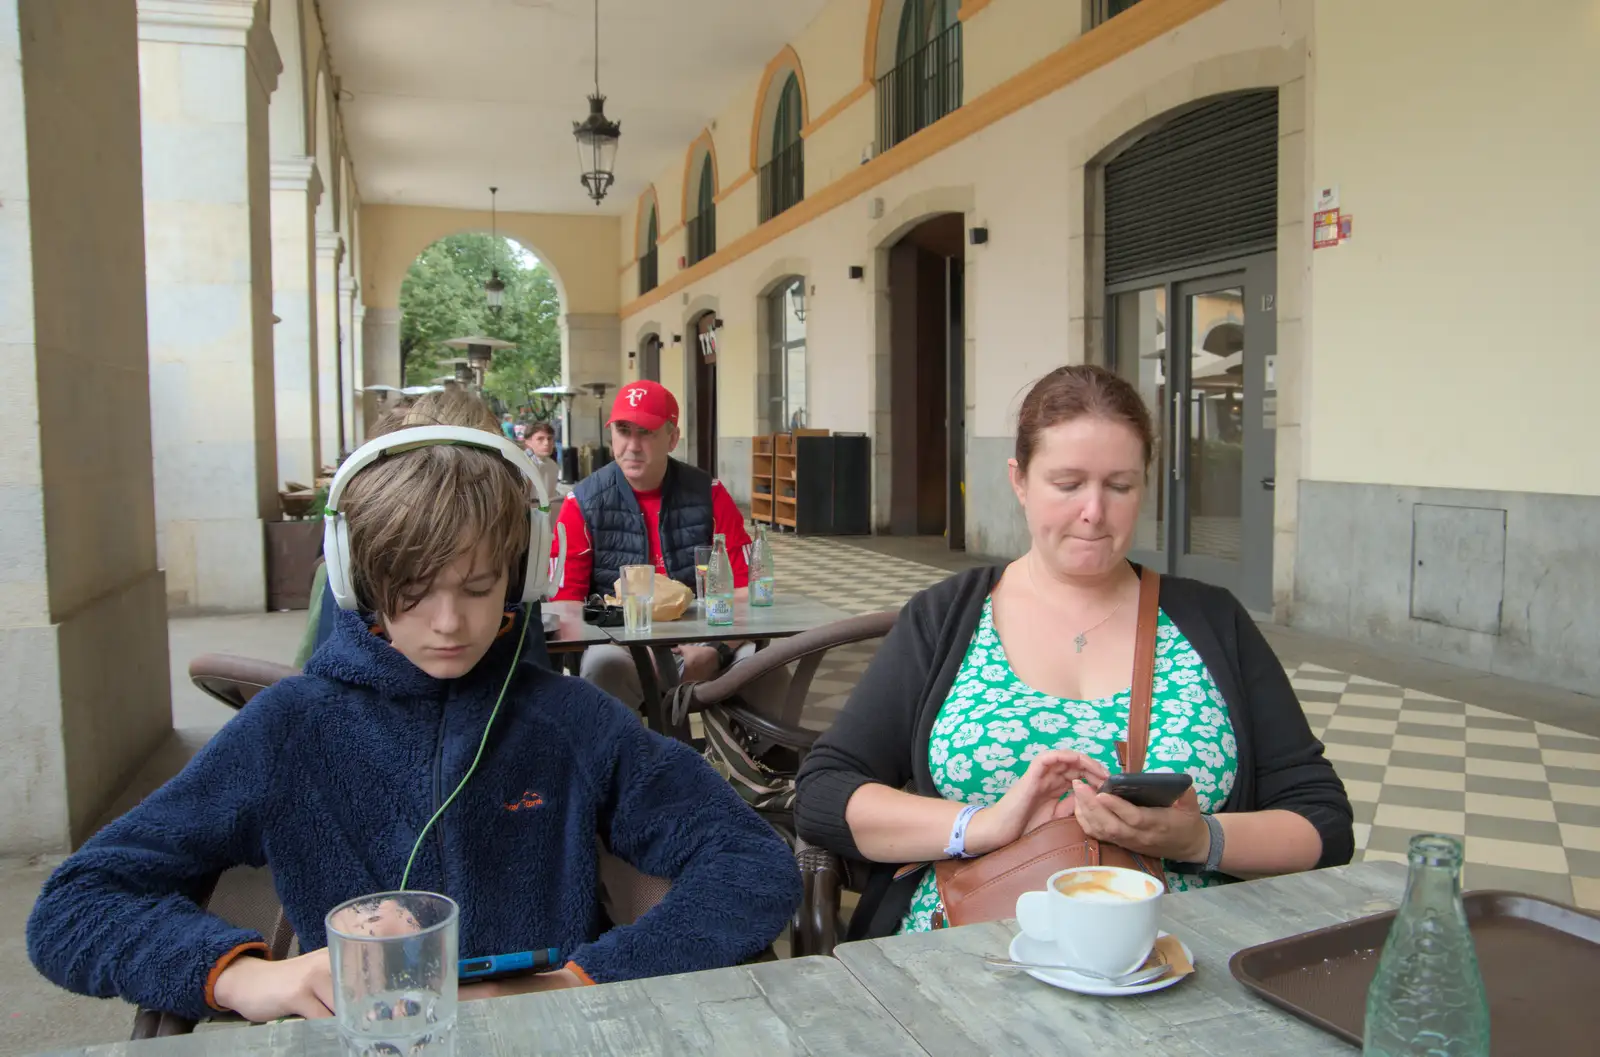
pixel 419 751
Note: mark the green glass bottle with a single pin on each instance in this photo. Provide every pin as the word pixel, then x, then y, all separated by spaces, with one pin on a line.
pixel 1428 999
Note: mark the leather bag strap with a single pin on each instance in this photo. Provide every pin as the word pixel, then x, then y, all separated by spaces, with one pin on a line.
pixel 1144 670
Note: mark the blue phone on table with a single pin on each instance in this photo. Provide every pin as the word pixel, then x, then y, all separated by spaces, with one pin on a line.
pixel 504 964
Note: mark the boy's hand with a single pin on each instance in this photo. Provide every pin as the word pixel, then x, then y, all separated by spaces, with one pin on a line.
pixel 260 990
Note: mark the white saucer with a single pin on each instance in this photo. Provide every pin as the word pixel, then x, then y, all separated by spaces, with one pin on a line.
pixel 1026 949
pixel 551 622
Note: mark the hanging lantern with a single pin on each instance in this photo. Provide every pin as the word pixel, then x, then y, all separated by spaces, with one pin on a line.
pixel 494 291
pixel 597 135
pixel 797 300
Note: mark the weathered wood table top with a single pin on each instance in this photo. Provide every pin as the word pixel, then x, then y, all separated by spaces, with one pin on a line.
pixel 936 986
pixel 769 1009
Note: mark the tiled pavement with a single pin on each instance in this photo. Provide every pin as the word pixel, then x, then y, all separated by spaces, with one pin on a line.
pixel 1524 795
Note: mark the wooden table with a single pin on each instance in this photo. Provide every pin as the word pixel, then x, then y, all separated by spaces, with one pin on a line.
pixel 769 1009
pixel 936 987
pixel 788 615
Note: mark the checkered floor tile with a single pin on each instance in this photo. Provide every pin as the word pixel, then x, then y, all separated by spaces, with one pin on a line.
pixel 1525 796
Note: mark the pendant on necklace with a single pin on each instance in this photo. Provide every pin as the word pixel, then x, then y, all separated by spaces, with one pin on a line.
pixel 1081 641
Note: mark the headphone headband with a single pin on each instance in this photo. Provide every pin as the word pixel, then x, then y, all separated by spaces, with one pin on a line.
pixel 537 578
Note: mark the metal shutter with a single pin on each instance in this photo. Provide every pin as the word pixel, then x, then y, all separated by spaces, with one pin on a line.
pixel 1201 188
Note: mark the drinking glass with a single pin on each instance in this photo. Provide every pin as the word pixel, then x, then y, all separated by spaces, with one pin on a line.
pixel 637 586
pixel 702 560
pixel 393 957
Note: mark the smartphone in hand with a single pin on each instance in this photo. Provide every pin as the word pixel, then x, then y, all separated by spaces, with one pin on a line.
pixel 1148 789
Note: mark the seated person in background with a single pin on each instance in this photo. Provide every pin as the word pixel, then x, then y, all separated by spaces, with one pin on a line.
pixel 540 444
pixel 330 779
pixel 647 508
pixel 976 699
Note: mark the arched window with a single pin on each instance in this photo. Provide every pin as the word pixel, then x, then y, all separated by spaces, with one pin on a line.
pixel 650 358
pixel 647 259
pixel 702 224
pixel 786 356
pixel 783 178
pixel 925 82
pixel 1102 10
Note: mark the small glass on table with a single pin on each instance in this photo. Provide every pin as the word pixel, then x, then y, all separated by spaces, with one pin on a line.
pixel 637 585
pixel 393 957
pixel 702 561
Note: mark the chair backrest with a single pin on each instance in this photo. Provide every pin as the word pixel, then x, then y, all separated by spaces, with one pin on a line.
pixel 245 898
pixel 626 893
pixel 235 680
pixel 805 651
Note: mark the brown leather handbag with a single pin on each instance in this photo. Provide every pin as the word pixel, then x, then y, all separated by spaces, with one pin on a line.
pixel 986 888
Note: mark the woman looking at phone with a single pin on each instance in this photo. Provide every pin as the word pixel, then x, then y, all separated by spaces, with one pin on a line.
pixel 1007 689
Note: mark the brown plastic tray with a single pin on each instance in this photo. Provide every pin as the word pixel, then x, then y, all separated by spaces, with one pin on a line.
pixel 1539 961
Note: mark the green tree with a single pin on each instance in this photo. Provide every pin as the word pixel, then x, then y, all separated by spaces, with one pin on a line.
pixel 442 298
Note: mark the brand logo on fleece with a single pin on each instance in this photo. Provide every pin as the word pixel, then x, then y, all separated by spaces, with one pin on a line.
pixel 528 799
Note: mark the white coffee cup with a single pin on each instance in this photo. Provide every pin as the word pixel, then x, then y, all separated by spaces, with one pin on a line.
pixel 1102 918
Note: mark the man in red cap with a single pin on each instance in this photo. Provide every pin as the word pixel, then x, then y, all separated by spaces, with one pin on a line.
pixel 647 508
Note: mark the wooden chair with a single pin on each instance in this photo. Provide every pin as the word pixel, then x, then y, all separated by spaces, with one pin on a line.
pixel 784 743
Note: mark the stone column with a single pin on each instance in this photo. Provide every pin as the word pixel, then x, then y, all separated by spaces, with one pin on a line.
pixel 330 251
pixel 207 68
pixel 380 352
pixel 358 341
pixel 83 632
pixel 296 189
pixel 349 377
pixel 591 351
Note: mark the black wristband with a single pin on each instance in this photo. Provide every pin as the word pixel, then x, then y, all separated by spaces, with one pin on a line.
pixel 725 654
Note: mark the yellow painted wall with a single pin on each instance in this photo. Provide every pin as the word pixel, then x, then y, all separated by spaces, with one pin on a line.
pixel 1014 174
pixel 579 250
pixel 1011 35
pixel 1453 335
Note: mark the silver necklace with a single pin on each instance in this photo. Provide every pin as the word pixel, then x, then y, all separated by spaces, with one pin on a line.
pixel 1081 639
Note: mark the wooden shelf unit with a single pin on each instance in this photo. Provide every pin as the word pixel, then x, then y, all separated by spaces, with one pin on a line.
pixel 786 475
pixel 761 490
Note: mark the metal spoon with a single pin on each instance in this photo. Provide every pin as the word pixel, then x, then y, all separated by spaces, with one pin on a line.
pixel 1133 979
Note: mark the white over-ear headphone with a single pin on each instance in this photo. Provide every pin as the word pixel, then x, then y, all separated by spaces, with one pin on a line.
pixel 541 578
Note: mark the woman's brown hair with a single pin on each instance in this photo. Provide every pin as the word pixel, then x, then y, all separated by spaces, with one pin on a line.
pixel 413 513
pixel 1069 393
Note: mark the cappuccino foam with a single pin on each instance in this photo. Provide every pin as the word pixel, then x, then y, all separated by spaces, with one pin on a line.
pixel 1101 885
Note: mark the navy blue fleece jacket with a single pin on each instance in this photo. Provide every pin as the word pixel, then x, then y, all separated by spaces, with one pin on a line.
pixel 328 777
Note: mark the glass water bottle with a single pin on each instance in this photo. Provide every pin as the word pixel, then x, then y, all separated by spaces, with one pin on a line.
pixel 719 584
pixel 762 574
pixel 1428 999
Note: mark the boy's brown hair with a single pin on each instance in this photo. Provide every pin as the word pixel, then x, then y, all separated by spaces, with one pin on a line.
pixel 538 428
pixel 413 513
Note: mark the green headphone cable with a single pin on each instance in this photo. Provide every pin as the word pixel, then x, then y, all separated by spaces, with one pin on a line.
pixel 482 742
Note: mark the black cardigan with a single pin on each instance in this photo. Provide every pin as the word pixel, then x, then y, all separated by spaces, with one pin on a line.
pixel 882 734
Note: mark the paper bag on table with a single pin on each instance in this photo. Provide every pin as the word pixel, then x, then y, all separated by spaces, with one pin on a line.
pixel 671 601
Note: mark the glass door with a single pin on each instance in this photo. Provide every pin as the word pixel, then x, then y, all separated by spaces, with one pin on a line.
pixel 1199 348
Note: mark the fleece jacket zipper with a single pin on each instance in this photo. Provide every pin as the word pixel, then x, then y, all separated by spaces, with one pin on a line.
pixel 438 789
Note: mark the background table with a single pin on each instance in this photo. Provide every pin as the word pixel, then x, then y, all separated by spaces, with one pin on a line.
pixel 573 636
pixel 788 615
pixel 936 986
pixel 769 1009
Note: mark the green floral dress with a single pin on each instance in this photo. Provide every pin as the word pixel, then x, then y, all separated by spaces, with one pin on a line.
pixel 992 724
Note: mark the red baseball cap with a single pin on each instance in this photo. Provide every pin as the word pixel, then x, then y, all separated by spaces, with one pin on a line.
pixel 649 405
